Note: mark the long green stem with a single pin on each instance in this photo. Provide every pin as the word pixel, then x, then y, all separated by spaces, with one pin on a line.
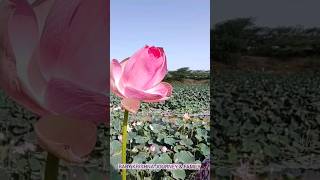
pixel 52 167
pixel 124 143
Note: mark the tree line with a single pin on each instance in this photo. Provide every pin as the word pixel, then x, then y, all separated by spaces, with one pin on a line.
pixel 238 37
pixel 185 73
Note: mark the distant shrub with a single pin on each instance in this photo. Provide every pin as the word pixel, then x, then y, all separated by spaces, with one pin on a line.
pixel 185 73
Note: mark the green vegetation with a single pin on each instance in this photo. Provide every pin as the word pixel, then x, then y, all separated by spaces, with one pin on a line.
pixel 161 124
pixel 164 125
pixel 22 159
pixel 266 125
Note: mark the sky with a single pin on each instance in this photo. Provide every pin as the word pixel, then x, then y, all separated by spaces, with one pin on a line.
pixel 270 13
pixel 181 27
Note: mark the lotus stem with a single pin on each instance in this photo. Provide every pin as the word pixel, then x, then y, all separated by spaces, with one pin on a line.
pixel 52 167
pixel 124 143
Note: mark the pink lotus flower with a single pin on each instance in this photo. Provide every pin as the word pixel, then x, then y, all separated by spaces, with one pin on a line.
pixel 55 64
pixel 139 77
pixel 152 148
pixel 186 116
pixel 164 149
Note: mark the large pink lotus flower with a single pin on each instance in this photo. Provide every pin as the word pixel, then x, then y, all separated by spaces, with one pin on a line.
pixel 55 63
pixel 139 77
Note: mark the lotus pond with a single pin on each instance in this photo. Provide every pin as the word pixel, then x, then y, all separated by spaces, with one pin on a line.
pixel 266 126
pixel 22 159
pixel 158 124
pixel 181 125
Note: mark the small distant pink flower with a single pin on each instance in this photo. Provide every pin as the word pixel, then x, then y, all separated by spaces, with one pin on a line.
pixel 120 138
pixel 164 149
pixel 22 149
pixel 30 146
pixel 19 150
pixel 152 148
pixel 139 78
pixel 186 116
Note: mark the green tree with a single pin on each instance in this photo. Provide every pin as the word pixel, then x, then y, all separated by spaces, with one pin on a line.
pixel 230 38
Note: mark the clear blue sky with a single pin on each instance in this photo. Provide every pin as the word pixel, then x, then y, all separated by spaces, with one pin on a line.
pixel 181 27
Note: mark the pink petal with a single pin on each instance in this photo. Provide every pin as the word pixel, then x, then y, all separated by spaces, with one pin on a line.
pixel 66 138
pixel 5 12
pixel 41 9
pixel 131 105
pixel 12 88
pixel 36 79
pixel 54 36
pixel 23 37
pixel 37 3
pixel 115 75
pixel 76 173
pixel 75 44
pixel 9 80
pixel 163 88
pixel 160 92
pixel 115 70
pixel 138 94
pixel 144 69
pixel 64 97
